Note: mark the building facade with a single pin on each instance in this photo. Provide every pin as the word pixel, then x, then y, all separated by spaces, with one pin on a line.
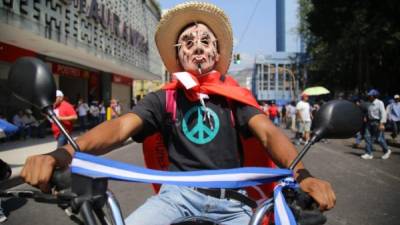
pixel 275 78
pixel 94 48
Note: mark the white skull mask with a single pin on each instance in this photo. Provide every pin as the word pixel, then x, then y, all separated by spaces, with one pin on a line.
pixel 197 49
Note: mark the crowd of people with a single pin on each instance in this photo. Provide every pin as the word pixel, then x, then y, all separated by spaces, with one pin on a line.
pixel 377 118
pixel 86 116
pixel 296 116
pixel 27 125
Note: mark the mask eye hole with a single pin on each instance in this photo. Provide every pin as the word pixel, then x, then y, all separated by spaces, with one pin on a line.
pixel 205 41
pixel 189 43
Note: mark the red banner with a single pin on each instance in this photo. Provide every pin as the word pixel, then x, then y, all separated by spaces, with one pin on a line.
pixel 10 53
pixel 122 80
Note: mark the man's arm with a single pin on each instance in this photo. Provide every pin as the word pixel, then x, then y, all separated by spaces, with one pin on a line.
pixel 100 140
pixel 283 153
pixel 67 118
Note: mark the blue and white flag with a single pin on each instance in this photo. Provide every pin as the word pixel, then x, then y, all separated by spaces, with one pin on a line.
pixel 96 167
pixel 99 167
pixel 282 212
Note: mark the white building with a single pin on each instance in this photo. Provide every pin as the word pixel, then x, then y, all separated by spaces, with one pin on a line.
pixel 95 48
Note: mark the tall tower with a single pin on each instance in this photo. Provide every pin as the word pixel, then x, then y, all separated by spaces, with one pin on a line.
pixel 280 26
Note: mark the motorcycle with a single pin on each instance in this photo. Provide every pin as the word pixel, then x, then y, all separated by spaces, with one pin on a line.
pixel 84 191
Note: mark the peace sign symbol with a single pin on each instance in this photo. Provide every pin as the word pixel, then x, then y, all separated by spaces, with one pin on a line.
pixel 200 133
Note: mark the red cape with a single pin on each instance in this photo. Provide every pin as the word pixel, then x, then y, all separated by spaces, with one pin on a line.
pixel 155 152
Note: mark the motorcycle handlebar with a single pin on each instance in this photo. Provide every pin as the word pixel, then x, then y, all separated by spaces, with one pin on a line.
pixel 61 179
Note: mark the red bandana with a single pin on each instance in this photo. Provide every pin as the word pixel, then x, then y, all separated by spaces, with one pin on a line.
pixel 211 83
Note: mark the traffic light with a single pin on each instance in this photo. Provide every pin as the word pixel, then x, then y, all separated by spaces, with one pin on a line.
pixel 236 58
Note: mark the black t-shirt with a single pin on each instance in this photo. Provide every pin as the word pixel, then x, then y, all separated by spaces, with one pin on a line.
pixel 195 142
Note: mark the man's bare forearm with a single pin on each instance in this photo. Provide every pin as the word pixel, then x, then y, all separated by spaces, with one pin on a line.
pixel 67 118
pixel 280 148
pixel 101 139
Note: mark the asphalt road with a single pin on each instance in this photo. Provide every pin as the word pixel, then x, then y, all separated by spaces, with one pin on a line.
pixel 367 191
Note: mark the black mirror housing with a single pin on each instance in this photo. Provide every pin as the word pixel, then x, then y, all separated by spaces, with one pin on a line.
pixel 337 119
pixel 31 80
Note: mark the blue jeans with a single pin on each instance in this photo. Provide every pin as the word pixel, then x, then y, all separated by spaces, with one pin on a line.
pixel 371 132
pixel 174 202
pixel 358 138
pixel 61 140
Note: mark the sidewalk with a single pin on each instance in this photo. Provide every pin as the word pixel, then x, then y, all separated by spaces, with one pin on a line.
pixel 16 152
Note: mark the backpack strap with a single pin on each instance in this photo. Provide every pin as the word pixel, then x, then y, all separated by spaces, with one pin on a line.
pixel 170 103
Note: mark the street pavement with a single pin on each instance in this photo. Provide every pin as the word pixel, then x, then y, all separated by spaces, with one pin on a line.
pixel 367 190
pixel 16 152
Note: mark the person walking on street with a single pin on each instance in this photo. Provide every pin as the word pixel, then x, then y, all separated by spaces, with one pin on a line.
pixel 291 111
pixel 66 114
pixel 303 109
pixel 273 113
pixel 83 110
pixel 394 115
pixel 375 126
pixel 195 43
pixel 364 105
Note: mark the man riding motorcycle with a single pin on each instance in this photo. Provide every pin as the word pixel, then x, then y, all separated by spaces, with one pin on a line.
pixel 195 44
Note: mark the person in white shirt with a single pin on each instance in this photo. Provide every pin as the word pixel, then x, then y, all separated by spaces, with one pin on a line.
pixel 303 110
pixel 32 125
pixel 102 108
pixel 82 109
pixel 94 114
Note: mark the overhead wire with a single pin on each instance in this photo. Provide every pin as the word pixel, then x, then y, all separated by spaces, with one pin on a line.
pixel 247 25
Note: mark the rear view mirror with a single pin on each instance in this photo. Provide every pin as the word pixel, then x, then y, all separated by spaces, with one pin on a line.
pixel 30 80
pixel 337 119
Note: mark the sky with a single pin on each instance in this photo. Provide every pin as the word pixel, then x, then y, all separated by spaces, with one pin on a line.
pixel 260 36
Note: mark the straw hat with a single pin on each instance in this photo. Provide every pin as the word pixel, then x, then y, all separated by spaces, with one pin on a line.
pixel 175 19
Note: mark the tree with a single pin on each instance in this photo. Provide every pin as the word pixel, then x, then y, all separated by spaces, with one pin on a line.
pixel 354 45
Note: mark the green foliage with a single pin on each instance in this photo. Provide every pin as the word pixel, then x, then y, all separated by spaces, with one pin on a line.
pixel 354 45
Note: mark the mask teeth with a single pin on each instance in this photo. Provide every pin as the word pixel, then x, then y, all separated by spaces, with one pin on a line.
pixel 199 68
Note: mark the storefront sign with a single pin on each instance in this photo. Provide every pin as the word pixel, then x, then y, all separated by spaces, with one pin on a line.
pixel 107 27
pixel 66 70
pixel 121 80
pixel 110 21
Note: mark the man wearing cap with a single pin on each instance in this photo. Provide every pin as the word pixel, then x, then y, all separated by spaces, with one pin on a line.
pixel 393 111
pixel 375 126
pixel 195 43
pixel 66 114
